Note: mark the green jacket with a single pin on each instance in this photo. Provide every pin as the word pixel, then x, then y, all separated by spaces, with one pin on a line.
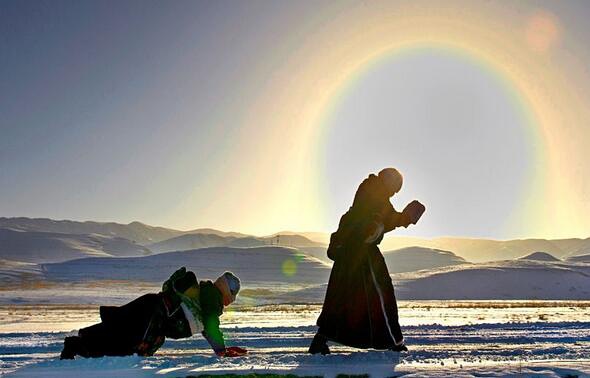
pixel 212 308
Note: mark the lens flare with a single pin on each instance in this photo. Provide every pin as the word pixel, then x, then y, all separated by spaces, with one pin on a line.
pixel 289 267
pixel 542 31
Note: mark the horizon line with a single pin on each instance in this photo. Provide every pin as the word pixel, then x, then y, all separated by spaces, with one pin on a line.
pixel 301 233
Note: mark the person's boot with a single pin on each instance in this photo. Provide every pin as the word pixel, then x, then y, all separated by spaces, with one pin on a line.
pixel 399 348
pixel 71 348
pixel 319 344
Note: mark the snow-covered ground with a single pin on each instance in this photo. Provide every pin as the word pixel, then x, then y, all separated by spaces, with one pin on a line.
pixel 41 303
pixel 446 338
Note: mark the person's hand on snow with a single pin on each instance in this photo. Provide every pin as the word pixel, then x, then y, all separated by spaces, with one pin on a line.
pixel 412 212
pixel 232 352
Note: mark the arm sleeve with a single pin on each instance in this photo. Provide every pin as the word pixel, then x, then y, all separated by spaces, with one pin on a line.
pixel 212 333
pixel 394 219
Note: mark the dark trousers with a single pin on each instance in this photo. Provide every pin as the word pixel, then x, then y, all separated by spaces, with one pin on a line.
pixel 122 329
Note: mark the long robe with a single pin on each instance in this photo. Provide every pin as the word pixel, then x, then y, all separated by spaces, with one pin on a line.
pixel 360 308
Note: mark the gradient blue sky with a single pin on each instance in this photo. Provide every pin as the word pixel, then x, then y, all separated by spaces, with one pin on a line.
pixel 148 111
pixel 99 99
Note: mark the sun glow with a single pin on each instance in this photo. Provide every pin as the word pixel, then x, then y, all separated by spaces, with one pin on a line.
pixel 346 47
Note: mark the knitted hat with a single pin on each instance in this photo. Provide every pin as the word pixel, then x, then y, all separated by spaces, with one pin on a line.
pixel 229 285
pixel 233 282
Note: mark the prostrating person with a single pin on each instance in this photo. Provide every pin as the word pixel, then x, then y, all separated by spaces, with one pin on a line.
pixel 183 308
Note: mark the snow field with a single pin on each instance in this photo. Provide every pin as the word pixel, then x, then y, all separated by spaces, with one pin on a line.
pixel 461 339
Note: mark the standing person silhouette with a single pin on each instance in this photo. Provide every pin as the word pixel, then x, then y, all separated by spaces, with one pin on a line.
pixel 360 308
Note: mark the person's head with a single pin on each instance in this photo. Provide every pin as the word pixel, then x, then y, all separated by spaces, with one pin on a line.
pixel 392 180
pixel 229 286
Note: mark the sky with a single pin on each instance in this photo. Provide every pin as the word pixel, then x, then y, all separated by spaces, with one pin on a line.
pixel 262 116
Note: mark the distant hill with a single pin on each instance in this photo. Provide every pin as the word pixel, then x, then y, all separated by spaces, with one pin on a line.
pixel 291 240
pixel 482 250
pixel 579 259
pixel 583 251
pixel 471 249
pixel 39 247
pixel 295 241
pixel 195 241
pixel 317 237
pixel 263 264
pixel 246 242
pixel 14 271
pixel 135 231
pixel 502 280
pixel 540 256
pixel 212 231
pixel 476 250
pixel 189 241
pixel 319 253
pixel 416 258
pixel 512 279
pixel 402 260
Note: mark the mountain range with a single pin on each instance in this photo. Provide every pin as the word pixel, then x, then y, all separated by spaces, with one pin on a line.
pixel 37 252
pixel 161 239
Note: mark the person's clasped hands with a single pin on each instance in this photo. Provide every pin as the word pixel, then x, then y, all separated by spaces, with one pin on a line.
pixel 413 211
